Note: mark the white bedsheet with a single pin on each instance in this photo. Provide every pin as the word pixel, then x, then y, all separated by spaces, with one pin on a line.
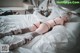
pixel 59 40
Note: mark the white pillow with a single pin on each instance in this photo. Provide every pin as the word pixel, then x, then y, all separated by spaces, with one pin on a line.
pixel 73 27
pixel 75 18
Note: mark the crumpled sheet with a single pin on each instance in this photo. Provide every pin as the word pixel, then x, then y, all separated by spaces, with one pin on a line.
pixel 59 40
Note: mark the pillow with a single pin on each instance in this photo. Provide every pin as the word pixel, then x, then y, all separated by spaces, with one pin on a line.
pixel 73 27
pixel 75 18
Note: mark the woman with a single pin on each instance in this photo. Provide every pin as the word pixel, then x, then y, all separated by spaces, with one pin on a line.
pixel 37 29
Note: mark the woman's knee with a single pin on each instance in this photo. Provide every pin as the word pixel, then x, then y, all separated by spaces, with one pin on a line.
pixel 43 28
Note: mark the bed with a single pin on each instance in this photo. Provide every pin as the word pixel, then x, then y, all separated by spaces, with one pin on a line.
pixel 62 39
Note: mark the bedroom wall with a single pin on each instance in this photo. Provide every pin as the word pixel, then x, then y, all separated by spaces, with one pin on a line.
pixel 11 3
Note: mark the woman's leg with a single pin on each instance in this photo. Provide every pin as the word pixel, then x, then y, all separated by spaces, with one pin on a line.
pixel 27 29
pixel 21 31
pixel 43 28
